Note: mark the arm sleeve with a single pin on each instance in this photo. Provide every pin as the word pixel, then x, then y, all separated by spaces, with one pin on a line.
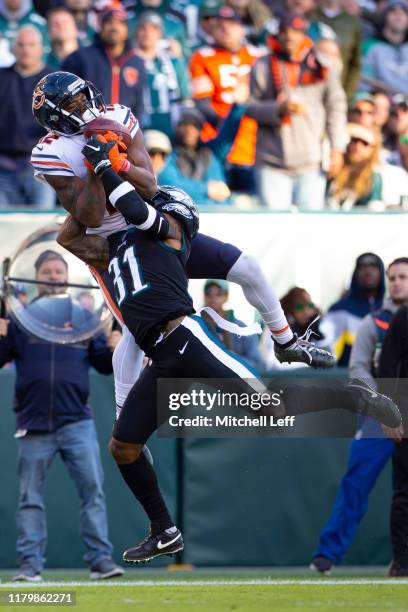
pixel 362 353
pixel 264 110
pixel 100 355
pixel 123 196
pixel 204 105
pixel 336 112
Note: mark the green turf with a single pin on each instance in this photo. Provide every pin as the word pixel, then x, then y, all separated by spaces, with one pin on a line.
pixel 189 597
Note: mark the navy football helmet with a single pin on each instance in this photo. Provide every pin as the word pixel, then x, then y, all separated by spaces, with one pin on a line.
pixel 56 107
pixel 177 202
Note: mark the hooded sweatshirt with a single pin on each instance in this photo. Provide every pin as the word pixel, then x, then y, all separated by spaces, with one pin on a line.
pixel 340 324
pixel 10 22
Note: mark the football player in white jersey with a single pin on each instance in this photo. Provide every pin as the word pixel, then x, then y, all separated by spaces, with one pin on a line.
pixel 64 104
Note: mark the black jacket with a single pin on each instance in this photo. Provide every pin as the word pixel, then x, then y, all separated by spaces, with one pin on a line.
pixel 120 80
pixel 52 384
pixel 393 366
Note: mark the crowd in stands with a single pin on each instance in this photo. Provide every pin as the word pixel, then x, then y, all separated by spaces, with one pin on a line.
pixel 289 103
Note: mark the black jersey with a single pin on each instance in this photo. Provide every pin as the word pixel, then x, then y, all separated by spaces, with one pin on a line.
pixel 151 283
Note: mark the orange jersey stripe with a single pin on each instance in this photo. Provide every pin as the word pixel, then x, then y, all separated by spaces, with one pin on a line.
pixel 111 304
pixel 50 163
pixel 280 331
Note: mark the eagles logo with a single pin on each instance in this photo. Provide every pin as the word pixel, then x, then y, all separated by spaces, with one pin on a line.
pixel 180 208
pixel 38 98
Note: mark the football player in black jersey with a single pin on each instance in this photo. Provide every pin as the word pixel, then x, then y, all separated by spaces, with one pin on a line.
pixel 147 266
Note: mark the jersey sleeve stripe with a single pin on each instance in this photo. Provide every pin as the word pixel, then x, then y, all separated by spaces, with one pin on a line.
pixel 45 155
pixel 38 171
pixel 126 119
pixel 38 162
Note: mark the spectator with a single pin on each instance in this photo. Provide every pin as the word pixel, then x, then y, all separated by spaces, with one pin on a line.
pixel 18 129
pixel 85 19
pixel 364 180
pixel 111 63
pixel 167 76
pixel 339 326
pixel 197 166
pixel 397 128
pixel 369 451
pixel 158 146
pixel 256 17
pixel 53 416
pixel 348 32
pixel 394 365
pixel 382 109
pixel 14 14
pixel 294 98
pixel 63 35
pixel 207 22
pixel 173 22
pixel 215 297
pixel 301 312
pixel 216 72
pixel 317 30
pixel 362 110
pixel 383 62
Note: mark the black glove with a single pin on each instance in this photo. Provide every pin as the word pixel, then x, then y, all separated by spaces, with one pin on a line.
pixel 97 154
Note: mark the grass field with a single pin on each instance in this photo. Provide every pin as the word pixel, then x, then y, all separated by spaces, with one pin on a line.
pixel 215 590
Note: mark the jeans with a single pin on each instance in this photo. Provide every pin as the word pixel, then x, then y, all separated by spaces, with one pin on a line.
pixel 279 191
pixel 78 447
pixel 367 459
pixel 21 188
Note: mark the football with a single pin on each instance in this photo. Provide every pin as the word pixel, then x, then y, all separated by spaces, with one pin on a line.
pixel 103 124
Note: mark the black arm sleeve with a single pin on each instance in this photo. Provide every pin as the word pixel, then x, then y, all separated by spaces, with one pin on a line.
pixel 123 196
pixel 392 347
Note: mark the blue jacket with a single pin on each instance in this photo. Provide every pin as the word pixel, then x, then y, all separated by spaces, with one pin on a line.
pixel 120 80
pixel 52 384
pixel 218 148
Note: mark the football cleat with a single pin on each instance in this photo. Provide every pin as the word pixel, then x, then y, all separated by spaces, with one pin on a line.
pixel 155 545
pixel 301 350
pixel 374 404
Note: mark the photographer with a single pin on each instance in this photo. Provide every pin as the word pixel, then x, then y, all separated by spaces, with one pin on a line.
pixel 53 416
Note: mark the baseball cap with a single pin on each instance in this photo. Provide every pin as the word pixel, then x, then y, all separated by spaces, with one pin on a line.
pixel 399 100
pixel 227 12
pixel 362 96
pixel 150 17
pixel 156 140
pixel 222 284
pixel 192 115
pixel 356 130
pixel 293 21
pixel 391 4
pixel 209 8
pixel 48 255
pixel 114 13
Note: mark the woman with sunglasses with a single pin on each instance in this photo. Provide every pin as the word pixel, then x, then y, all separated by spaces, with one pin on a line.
pixel 364 180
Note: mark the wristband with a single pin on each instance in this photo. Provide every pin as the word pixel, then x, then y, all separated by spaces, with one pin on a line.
pixel 126 166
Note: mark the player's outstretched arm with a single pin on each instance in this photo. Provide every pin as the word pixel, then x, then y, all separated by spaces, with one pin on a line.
pixel 123 196
pixel 93 250
pixel 140 172
pixel 83 199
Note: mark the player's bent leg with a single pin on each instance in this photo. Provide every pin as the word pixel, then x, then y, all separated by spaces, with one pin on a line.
pixel 288 347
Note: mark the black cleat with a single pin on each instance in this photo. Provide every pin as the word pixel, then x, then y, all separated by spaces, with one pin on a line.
pixel 304 351
pixel 322 565
pixel 374 404
pixel 154 546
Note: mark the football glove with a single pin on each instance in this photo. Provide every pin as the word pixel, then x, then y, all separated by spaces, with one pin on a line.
pixel 96 152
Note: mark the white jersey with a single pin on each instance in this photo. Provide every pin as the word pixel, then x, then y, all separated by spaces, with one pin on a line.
pixel 58 155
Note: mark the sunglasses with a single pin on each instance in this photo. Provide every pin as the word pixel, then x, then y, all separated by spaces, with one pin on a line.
pixel 300 307
pixel 363 142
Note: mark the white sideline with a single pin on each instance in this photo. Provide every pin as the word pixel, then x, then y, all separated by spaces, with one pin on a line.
pixel 167 583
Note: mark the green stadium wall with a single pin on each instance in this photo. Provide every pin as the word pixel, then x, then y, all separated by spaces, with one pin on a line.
pixel 239 502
